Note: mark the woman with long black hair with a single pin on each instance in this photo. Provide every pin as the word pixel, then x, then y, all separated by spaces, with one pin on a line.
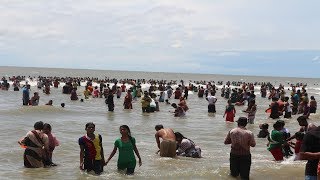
pixel 127 146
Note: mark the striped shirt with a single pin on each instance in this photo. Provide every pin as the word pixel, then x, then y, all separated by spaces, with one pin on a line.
pixel 240 139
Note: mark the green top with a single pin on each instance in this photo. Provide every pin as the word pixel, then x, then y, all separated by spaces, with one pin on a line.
pixel 276 139
pixel 126 157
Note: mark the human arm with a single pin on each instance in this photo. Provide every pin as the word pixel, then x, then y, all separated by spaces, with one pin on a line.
pixel 157 139
pixel 227 140
pixel 81 157
pixel 309 155
pixel 137 153
pixel 112 154
pixel 252 141
pixel 102 151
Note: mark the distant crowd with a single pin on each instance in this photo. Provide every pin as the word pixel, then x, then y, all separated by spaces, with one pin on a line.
pixel 283 104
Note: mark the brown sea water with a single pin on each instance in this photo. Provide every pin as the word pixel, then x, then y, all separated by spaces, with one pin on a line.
pixel 207 131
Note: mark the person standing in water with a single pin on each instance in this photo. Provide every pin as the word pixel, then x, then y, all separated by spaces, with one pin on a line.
pixel 127 147
pixel 26 95
pixel 241 140
pixel 91 150
pixel 35 143
pixel 230 112
pixel 53 142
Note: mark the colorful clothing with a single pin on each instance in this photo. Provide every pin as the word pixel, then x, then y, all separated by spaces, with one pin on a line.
pixel 126 158
pixel 53 142
pixel 188 148
pixel 230 111
pixel 92 150
pixel 128 101
pixel 36 142
pixel 275 147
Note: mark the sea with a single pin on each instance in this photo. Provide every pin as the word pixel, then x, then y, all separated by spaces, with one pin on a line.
pixel 206 130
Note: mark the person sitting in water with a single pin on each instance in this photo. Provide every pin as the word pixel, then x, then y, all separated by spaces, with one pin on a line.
pixel 49 103
pixel 263 133
pixel 186 147
pixel 34 101
pixel 179 111
pixel 183 104
pixel 167 147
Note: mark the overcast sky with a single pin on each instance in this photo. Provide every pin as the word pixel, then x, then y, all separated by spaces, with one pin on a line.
pixel 245 37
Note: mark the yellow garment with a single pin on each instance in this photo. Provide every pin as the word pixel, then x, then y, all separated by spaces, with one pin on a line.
pixel 96 143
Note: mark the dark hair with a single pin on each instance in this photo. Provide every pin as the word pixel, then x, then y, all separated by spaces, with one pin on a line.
pixel 129 132
pixel 158 127
pixel 264 126
pixel 281 122
pixel 242 121
pixel 299 135
pixel 90 123
pixel 46 125
pixel 286 98
pixel 302 119
pixel 277 125
pixel 38 125
pixel 179 135
pixel 174 105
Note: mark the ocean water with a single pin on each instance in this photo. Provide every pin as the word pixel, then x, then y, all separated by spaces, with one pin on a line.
pixel 207 131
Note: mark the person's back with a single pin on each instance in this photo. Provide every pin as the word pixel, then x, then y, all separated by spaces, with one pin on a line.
pixel 167 134
pixel 168 144
pixel 241 140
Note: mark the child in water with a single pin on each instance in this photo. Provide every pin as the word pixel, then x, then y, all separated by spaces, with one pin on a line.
pixel 297 144
pixel 263 133
pixel 53 142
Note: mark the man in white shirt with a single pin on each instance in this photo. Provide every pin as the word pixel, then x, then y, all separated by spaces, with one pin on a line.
pixel 212 102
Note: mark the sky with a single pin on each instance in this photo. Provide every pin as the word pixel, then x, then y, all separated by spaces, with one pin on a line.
pixel 238 37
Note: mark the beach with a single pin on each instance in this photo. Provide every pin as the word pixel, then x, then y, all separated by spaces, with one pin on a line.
pixel 207 130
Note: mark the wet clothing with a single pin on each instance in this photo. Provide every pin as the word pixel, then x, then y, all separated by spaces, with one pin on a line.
pixel 274 110
pixel 188 148
pixel 36 142
pixel 241 140
pixel 25 96
pixel 92 149
pixel 263 133
pixel 126 158
pixel 168 148
pixel 128 101
pixel 240 165
pixel 53 142
pixel 275 147
pixel 230 111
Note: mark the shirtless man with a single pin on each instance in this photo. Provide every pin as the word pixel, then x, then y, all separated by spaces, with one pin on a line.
pixel 168 144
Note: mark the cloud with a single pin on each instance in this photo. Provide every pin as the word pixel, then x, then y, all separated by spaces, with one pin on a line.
pixel 133 33
pixel 316 59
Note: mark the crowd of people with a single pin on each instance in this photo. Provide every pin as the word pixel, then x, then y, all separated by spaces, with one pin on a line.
pixel 283 104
